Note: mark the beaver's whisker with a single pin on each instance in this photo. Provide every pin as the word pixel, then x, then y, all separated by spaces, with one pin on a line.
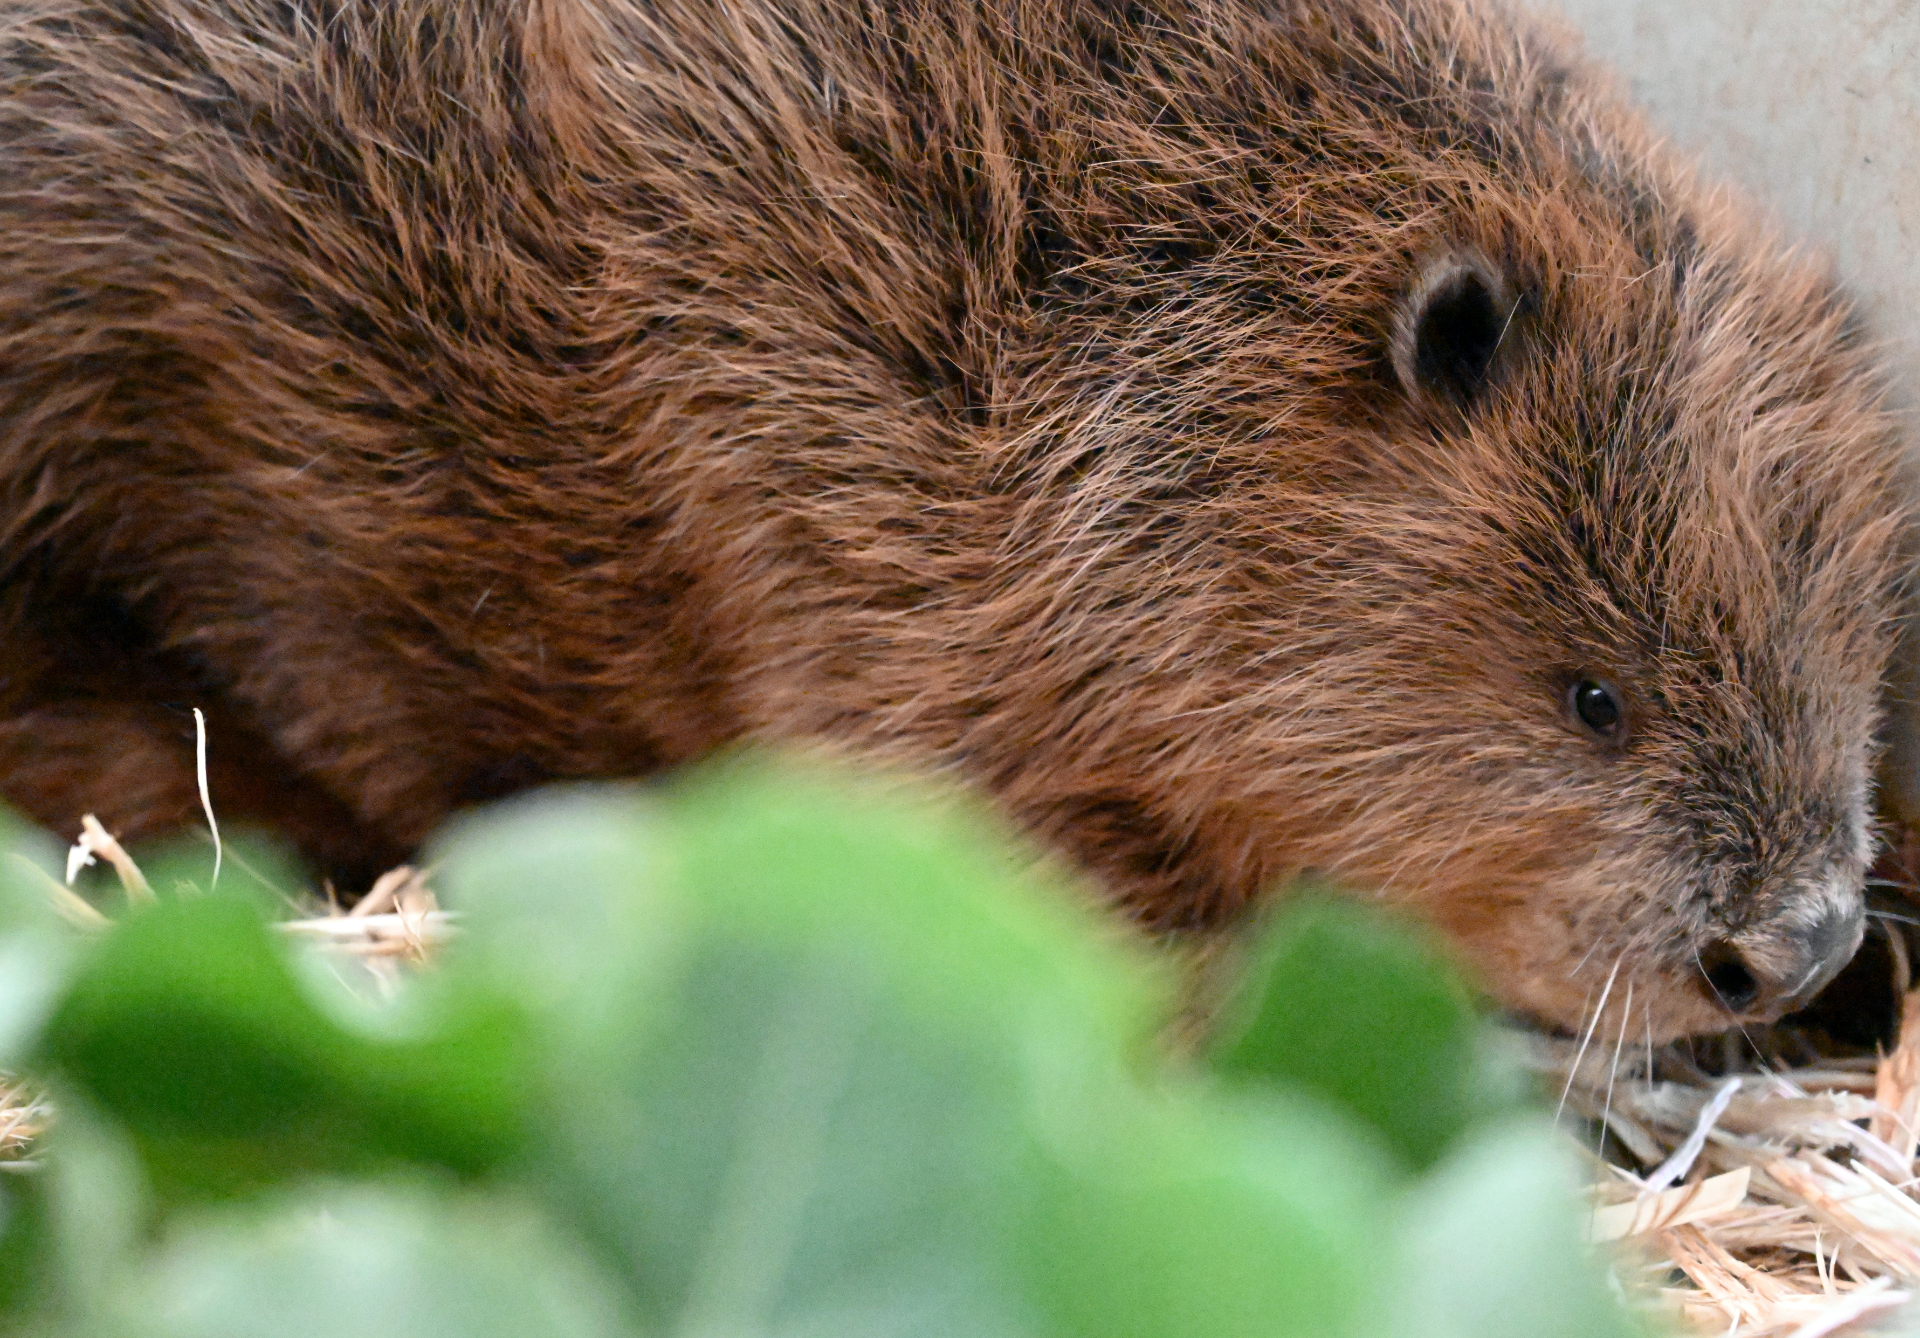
pixel 1585 957
pixel 1646 1015
pixel 1580 1054
pixel 1613 1069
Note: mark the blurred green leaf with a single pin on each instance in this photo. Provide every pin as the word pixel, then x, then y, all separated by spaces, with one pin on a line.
pixel 1342 1002
pixel 67 1226
pixel 932 891
pixel 30 869
pixel 1490 1246
pixel 36 948
pixel 187 1025
pixel 1205 1220
pixel 796 1106
pixel 565 894
pixel 32 1291
pixel 778 1049
pixel 371 1261
pixel 97 1203
pixel 863 1075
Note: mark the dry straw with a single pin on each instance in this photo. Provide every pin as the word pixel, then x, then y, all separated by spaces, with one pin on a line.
pixel 1781 1202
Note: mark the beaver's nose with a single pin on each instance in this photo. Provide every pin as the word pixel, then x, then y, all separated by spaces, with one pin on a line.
pixel 1775 968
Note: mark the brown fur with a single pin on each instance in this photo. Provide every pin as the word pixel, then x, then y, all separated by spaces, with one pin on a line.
pixel 452 395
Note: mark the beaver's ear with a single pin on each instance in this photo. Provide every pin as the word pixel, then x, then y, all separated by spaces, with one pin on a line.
pixel 1448 332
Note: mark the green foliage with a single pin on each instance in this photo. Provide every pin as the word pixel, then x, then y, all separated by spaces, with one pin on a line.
pixel 774 1050
pixel 382 1260
pixel 1364 1013
pixel 189 1026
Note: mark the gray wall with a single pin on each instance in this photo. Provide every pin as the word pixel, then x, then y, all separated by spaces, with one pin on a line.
pixel 1813 106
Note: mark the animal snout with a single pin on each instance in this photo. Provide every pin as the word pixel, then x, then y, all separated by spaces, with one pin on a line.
pixel 1774 968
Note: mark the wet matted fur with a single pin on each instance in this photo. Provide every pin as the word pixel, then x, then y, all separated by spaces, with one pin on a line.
pixel 1231 432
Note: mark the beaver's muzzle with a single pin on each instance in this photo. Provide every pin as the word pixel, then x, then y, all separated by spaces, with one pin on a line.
pixel 1777 965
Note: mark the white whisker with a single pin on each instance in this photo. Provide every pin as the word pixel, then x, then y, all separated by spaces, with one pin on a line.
pixel 1613 1069
pixel 1581 1053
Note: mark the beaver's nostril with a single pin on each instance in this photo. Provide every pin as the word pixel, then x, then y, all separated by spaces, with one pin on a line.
pixel 1729 979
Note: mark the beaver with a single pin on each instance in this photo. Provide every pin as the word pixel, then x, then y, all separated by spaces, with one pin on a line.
pixel 1242 437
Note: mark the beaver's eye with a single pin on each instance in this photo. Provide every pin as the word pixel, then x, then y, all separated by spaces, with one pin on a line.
pixel 1597 703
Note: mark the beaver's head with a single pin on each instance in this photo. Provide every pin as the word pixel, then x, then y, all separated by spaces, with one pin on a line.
pixel 1623 627
pixel 1470 506
pixel 1562 622
pixel 1593 617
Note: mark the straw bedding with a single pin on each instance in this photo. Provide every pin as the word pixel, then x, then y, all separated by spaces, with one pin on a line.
pixel 1764 1184
pixel 1767 1204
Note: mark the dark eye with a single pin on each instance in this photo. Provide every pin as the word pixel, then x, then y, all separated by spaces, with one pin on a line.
pixel 1597 703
